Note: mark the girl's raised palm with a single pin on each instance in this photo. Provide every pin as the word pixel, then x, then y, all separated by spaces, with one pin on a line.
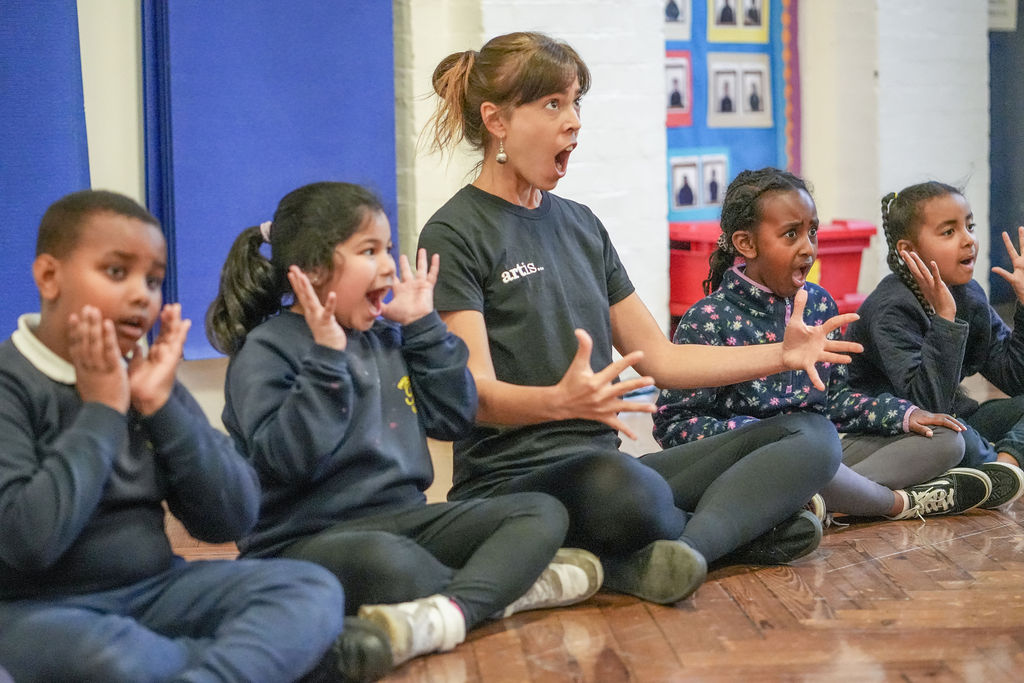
pixel 1016 278
pixel 320 317
pixel 413 293
pixel 932 287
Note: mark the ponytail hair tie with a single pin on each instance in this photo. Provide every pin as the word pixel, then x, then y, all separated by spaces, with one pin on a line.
pixel 265 231
pixel 724 245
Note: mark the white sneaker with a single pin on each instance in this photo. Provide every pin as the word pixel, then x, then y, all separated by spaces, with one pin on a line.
pixel 573 576
pixel 418 627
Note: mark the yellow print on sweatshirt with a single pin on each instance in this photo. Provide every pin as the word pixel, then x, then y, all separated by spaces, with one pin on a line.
pixel 405 385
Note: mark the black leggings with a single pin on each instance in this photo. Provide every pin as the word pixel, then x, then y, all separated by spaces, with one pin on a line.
pixel 715 494
pixel 482 553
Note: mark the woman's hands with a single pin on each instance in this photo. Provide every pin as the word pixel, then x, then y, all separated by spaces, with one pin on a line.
pixel 932 287
pixel 320 317
pixel 413 293
pixel 588 395
pixel 804 345
pixel 920 419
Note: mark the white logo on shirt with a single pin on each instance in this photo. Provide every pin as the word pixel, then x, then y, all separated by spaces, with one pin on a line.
pixel 520 270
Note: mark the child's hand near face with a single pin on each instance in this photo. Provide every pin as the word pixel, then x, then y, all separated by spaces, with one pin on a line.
pixel 100 374
pixel 1016 278
pixel 931 284
pixel 920 419
pixel 413 294
pixel 320 317
pixel 152 376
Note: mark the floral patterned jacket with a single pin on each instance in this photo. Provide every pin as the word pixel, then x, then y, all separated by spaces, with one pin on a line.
pixel 742 312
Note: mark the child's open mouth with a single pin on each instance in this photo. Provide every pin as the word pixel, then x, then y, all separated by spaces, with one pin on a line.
pixel 800 275
pixel 376 299
pixel 562 159
pixel 131 328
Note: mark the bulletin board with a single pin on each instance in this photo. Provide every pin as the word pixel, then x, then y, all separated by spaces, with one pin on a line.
pixel 732 97
pixel 245 102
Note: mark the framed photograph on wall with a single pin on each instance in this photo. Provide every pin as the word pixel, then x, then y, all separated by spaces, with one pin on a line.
pixel 740 94
pixel 738 21
pixel 713 179
pixel 678 89
pixel 697 178
pixel 678 19
pixel 685 183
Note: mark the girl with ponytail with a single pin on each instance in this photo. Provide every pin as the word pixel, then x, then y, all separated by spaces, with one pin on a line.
pixel 330 393
pixel 929 325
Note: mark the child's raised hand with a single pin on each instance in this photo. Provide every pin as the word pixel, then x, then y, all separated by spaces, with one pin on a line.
pixel 590 395
pixel 920 419
pixel 320 317
pixel 413 294
pixel 804 345
pixel 100 374
pixel 931 284
pixel 1016 278
pixel 152 376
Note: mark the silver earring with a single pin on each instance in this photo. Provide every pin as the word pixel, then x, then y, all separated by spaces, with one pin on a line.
pixel 501 157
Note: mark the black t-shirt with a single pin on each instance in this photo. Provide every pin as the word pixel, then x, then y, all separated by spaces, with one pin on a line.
pixel 535 275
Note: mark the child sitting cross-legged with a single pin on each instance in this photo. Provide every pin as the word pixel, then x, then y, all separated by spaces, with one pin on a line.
pixel 93 446
pixel 332 404
pixel 897 458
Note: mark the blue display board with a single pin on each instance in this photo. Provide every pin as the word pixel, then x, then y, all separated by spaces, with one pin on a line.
pixel 246 101
pixel 43 147
pixel 727 102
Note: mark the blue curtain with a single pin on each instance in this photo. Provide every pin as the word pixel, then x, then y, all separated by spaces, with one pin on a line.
pixel 245 101
pixel 43 148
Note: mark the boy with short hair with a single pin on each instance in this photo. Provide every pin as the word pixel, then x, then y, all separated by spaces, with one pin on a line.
pixel 91 446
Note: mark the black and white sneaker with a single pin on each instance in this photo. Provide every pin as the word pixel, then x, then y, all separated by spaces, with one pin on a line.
pixel 957 490
pixel 1007 483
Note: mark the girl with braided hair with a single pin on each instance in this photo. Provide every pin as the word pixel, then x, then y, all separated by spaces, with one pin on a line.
pixel 928 325
pixel 890 445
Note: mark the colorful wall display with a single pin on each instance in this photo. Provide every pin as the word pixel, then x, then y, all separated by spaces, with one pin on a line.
pixel 732 97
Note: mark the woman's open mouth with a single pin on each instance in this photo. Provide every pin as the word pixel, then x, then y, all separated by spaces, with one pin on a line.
pixel 562 159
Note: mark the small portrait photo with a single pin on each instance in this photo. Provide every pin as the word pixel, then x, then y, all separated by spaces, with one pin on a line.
pixel 725 12
pixel 753 92
pixel 723 91
pixel 738 21
pixel 678 89
pixel 677 78
pixel 685 184
pixel 740 93
pixel 751 12
pixel 713 179
pixel 677 19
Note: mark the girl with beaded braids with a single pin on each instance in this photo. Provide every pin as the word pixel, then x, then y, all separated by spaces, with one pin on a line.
pixel 928 325
pixel 533 284
pixel 891 446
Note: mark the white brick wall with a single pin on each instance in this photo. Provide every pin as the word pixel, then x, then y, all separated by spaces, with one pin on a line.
pixel 618 169
pixel 895 92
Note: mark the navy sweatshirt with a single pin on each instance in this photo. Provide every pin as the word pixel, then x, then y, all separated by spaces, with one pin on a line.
pixel 338 435
pixel 81 485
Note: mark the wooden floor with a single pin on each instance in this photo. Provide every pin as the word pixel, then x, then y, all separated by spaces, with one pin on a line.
pixel 941 600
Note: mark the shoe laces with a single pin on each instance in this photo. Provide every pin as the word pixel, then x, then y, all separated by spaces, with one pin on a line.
pixel 931 500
